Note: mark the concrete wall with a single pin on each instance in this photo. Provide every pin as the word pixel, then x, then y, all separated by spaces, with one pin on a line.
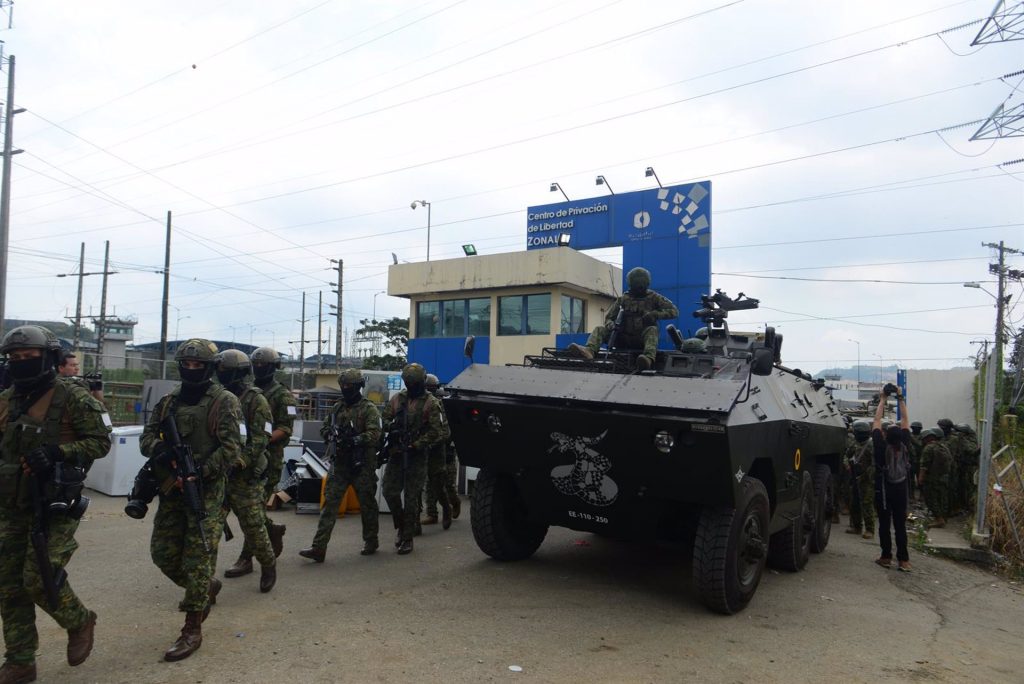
pixel 935 394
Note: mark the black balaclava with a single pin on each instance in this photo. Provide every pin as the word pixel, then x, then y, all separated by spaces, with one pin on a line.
pixel 194 382
pixel 32 374
pixel 415 390
pixel 263 374
pixel 351 393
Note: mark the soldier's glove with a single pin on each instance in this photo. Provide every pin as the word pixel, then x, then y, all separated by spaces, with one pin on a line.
pixel 163 454
pixel 41 459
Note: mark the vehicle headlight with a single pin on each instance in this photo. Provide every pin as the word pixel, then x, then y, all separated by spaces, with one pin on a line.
pixel 664 441
pixel 493 422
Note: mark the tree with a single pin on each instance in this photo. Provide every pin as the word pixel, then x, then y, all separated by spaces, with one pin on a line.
pixel 394 334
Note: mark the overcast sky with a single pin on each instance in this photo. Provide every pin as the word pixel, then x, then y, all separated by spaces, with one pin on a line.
pixel 282 135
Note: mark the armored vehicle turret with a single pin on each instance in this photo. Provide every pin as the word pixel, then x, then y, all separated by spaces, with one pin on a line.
pixel 718 445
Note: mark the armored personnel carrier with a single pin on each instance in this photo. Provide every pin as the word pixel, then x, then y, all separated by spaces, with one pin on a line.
pixel 718 445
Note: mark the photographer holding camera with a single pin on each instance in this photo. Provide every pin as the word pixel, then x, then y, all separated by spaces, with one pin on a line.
pixel 892 472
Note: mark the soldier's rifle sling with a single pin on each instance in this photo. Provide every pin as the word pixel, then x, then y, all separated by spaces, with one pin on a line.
pixel 40 535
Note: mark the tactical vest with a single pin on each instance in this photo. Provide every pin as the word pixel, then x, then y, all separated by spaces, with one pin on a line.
pixel 248 401
pixel 197 425
pixel 25 434
pixel 275 397
pixel 415 427
pixel 633 313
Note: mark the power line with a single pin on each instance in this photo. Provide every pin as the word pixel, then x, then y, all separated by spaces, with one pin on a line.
pixel 848 280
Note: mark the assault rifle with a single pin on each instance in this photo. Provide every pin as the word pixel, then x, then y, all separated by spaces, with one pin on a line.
pixel 52 579
pixel 613 337
pixel 188 473
pixel 225 506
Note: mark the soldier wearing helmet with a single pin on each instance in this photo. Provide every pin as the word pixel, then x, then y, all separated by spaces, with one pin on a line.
pixel 47 427
pixel 414 423
pixel 207 417
pixel 915 456
pixel 354 428
pixel 641 310
pixel 933 475
pixel 265 364
pixel 440 487
pixel 862 481
pixel 952 444
pixel 245 476
pixel 966 450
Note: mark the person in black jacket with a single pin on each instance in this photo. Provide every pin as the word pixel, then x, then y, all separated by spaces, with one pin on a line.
pixel 892 473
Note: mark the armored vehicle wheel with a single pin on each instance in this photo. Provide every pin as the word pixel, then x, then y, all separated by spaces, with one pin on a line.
pixel 824 505
pixel 730 549
pixel 498 518
pixel 790 548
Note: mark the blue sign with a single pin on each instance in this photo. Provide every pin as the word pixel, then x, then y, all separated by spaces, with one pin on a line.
pixel 665 230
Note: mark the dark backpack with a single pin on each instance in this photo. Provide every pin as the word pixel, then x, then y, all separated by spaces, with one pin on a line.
pixel 897 463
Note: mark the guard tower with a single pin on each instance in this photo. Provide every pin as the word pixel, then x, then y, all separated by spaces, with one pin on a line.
pixel 112 336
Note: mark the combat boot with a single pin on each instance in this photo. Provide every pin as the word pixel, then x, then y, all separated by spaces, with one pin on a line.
pixel 417 529
pixel 429 520
pixel 268 577
pixel 242 566
pixel 644 362
pixel 190 640
pixel 314 553
pixel 405 547
pixel 276 534
pixel 446 515
pixel 369 547
pixel 853 530
pixel 80 641
pixel 456 507
pixel 868 534
pixel 938 522
pixel 580 351
pixel 17 673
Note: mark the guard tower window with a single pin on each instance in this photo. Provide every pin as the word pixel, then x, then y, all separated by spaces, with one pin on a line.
pixel 453 318
pixel 524 315
pixel 573 315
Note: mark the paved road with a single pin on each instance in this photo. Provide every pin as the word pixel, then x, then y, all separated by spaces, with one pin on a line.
pixel 583 609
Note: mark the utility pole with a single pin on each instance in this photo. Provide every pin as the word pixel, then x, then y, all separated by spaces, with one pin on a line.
pixel 340 268
pixel 319 331
pixel 979 536
pixel 302 339
pixel 5 187
pixel 166 300
pixel 1000 271
pixel 78 306
pixel 101 333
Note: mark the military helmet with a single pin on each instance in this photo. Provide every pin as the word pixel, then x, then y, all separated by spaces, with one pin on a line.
pixel 934 432
pixel 414 373
pixel 861 426
pixel 196 349
pixel 963 427
pixel 638 278
pixel 351 376
pixel 233 359
pixel 432 381
pixel 265 356
pixel 30 337
pixel 702 333
pixel 916 424
pixel 945 423
pixel 694 345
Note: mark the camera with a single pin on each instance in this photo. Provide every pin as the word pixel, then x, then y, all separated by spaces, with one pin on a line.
pixel 95 381
pixel 144 490
pixel 890 389
pixel 66 491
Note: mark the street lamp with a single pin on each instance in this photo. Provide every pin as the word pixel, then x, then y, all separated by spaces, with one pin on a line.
pixel 857 342
pixel 424 203
pixel 273 337
pixel 177 324
pixel 601 180
pixel 375 294
pixel 879 367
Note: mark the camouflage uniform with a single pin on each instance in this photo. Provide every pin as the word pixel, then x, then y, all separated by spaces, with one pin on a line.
pixel 244 483
pixel 437 490
pixel 916 446
pixel 282 407
pixel 210 427
pixel 935 461
pixel 363 423
pixel 420 421
pixel 69 416
pixel 968 452
pixel 862 507
pixel 952 444
pixel 639 323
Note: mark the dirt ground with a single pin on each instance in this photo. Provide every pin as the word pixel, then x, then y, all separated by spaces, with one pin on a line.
pixel 583 609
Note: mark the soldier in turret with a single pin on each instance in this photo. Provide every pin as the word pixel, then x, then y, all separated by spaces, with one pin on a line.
pixel 642 308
